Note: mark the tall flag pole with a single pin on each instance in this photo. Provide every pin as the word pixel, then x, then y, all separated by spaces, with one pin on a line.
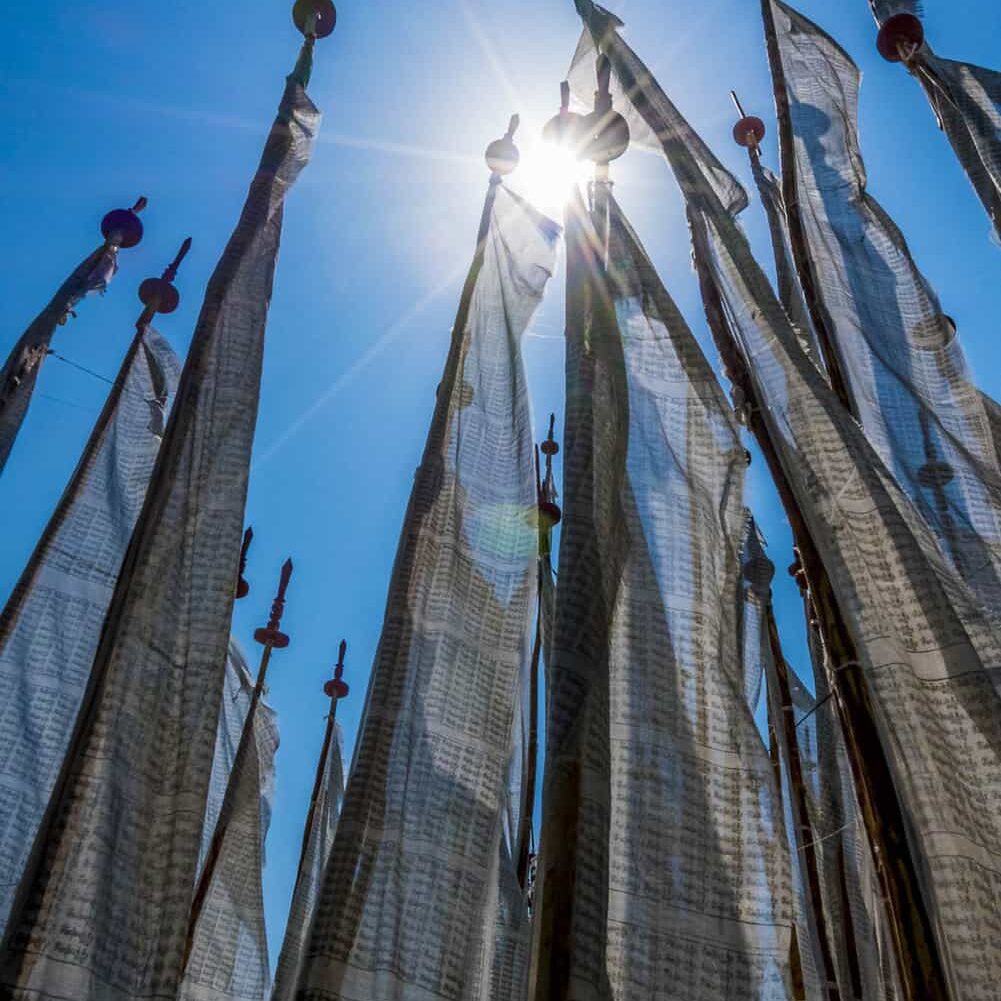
pixel 337 689
pixel 831 889
pixel 103 908
pixel 317 839
pixel 758 573
pixel 915 953
pixel 966 99
pixel 212 951
pixel 237 695
pixel 905 371
pixel 549 516
pixel 911 656
pixel 420 895
pixel 655 769
pixel 842 915
pixel 51 624
pixel 120 228
pixel 749 132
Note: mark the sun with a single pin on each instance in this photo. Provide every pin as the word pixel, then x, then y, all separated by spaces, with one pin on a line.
pixel 549 175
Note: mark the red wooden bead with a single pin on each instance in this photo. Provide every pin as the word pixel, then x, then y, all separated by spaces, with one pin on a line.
pixel 749 132
pixel 902 31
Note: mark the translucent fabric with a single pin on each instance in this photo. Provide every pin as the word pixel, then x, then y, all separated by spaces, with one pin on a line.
pixel 929 656
pixel 899 354
pixel 229 947
pixel 811 966
pixel 317 845
pixel 789 289
pixel 236 698
pixel 967 103
pixel 839 908
pixel 104 912
pixel 664 869
pixel 51 624
pixel 20 371
pixel 885 9
pixel 410 897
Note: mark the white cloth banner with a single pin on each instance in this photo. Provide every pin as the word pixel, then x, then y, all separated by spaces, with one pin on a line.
pixel 408 905
pixel 104 914
pixel 51 624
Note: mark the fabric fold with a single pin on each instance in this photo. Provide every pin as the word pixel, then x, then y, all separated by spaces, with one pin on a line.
pixel 415 891
pixel 103 911
pixel 51 624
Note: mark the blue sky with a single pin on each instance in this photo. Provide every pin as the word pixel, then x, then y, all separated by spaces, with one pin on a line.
pixel 102 101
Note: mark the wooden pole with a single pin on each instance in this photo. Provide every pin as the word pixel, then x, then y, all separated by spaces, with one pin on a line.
pixel 915 948
pixel 805 837
pixel 271 638
pixel 336 689
pixel 154 294
pixel 549 516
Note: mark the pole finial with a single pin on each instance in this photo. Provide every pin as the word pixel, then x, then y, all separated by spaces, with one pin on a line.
pixel 900 38
pixel 502 155
pixel 315 18
pixel 337 688
pixel 564 128
pixel 271 635
pixel 606 132
pixel 750 131
pixel 550 514
pixel 243 586
pixel 158 295
pixel 123 227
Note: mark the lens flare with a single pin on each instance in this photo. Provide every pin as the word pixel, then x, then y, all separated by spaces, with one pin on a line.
pixel 549 175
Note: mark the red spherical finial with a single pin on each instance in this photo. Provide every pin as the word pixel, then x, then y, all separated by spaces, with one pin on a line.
pixel 550 446
pixel 271 635
pixel 123 227
pixel 749 132
pixel 550 514
pixel 315 18
pixel 900 38
pixel 158 295
pixel 337 688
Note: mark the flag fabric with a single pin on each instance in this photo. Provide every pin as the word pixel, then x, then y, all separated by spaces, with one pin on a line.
pixel 885 9
pixel 839 910
pixel 901 360
pixel 103 912
pixel 228 958
pixel 236 698
pixel 789 289
pixel 664 868
pixel 811 966
pixel 409 901
pixel 928 655
pixel 318 842
pixel 966 100
pixel 850 899
pixel 20 371
pixel 51 624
